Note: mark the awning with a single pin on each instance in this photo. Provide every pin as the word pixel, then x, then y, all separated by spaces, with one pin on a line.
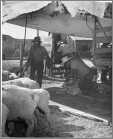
pixel 96 8
pixel 80 26
pixel 12 9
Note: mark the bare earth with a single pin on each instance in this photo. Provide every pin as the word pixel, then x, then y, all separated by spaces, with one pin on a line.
pixel 67 125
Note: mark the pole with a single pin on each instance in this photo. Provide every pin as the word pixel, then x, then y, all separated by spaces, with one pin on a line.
pixel 52 54
pixel 94 35
pixel 22 51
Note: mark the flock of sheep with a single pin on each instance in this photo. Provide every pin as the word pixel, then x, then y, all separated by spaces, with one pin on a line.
pixel 22 102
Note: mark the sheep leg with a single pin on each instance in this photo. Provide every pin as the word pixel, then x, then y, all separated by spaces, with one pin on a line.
pixel 30 124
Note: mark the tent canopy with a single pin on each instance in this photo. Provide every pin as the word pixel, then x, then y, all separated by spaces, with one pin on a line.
pixel 9 12
pixel 48 20
pixel 94 7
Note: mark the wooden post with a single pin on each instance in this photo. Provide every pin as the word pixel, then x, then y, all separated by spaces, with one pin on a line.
pixel 94 35
pixel 22 51
pixel 52 53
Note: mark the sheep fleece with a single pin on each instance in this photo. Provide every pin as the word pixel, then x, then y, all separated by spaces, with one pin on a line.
pixel 23 82
pixel 23 101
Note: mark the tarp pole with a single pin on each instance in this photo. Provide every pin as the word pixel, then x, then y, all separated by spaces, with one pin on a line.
pixel 94 46
pixel 22 51
pixel 94 34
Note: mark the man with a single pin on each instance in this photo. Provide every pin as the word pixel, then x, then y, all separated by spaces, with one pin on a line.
pixel 36 59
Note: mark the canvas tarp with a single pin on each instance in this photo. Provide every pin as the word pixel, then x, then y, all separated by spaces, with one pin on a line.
pixel 12 9
pixel 77 26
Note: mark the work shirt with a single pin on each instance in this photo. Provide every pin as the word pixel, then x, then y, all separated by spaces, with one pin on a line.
pixel 37 55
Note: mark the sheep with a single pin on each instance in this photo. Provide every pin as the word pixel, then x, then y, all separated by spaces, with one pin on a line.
pixel 22 102
pixel 23 82
pixel 44 98
pixel 12 76
pixel 41 94
pixel 16 127
pixel 5 112
pixel 7 75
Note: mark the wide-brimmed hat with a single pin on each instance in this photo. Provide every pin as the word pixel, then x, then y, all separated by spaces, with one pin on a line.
pixel 37 39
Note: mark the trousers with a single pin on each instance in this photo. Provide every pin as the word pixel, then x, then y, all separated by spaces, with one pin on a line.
pixel 36 72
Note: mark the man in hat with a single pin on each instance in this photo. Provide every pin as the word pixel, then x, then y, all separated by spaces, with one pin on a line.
pixel 36 58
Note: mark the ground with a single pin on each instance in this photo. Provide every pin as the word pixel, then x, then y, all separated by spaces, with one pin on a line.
pixel 67 124
pixel 77 126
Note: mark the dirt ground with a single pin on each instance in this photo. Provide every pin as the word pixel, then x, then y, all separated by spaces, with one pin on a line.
pixel 97 104
pixel 65 124
pixel 69 125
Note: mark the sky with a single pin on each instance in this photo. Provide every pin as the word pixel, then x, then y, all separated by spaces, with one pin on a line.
pixel 18 32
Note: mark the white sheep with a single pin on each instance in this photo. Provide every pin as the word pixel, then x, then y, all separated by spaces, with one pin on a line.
pixel 5 112
pixel 13 76
pixel 22 102
pixel 41 94
pixel 23 82
pixel 7 75
pixel 44 98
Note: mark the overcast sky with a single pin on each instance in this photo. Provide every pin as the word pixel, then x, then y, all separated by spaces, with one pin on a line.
pixel 18 32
